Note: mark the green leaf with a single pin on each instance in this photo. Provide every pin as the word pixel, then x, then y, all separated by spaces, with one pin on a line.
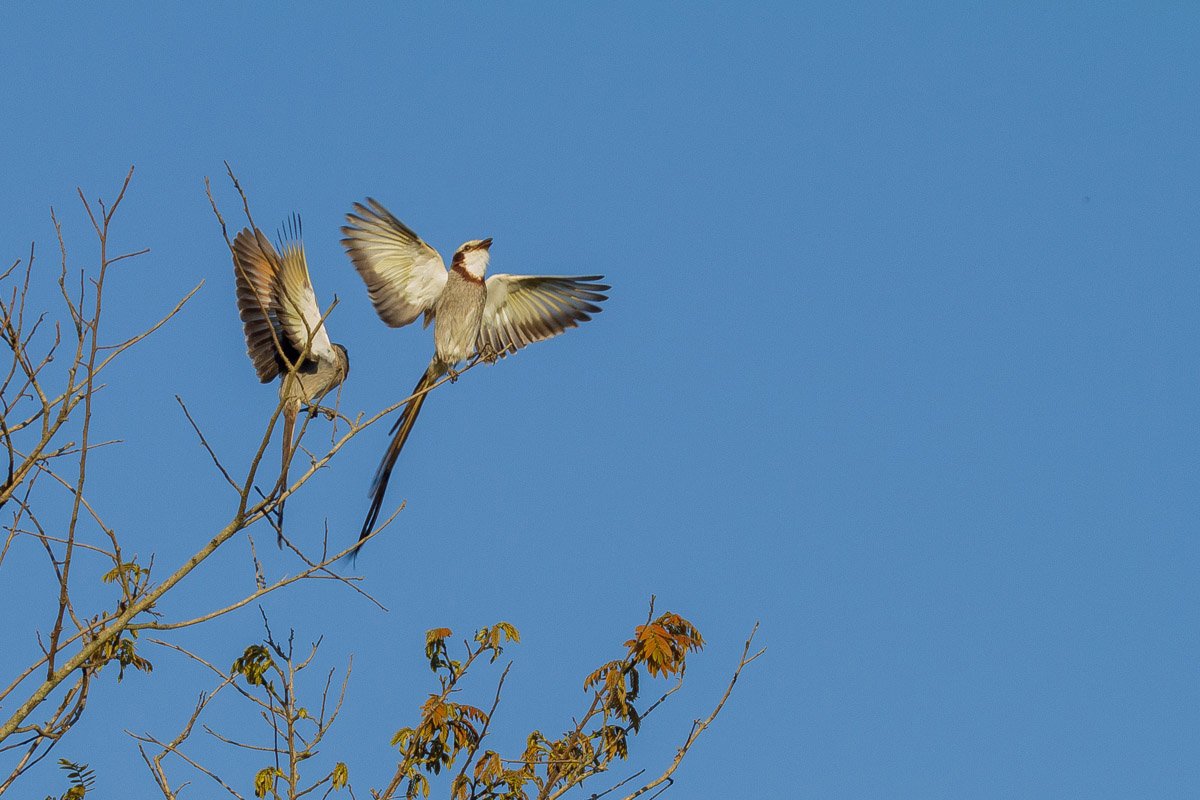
pixel 400 737
pixel 253 664
pixel 509 631
pixel 82 778
pixel 122 571
pixel 435 648
pixel 264 781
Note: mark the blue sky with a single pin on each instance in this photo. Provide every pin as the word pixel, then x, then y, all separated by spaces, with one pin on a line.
pixel 900 360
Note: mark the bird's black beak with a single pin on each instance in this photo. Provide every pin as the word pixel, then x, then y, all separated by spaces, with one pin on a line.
pixel 486 243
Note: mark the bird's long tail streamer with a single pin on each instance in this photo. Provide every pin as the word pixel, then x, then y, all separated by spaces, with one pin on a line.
pixel 400 430
pixel 290 412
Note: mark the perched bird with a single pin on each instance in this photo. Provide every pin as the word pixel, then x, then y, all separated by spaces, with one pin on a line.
pixel 406 278
pixel 285 334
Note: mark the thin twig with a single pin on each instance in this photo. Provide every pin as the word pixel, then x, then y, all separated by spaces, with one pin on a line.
pixel 204 443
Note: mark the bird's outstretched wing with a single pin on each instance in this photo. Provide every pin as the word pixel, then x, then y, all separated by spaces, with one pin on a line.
pixel 296 303
pixel 521 309
pixel 256 270
pixel 404 276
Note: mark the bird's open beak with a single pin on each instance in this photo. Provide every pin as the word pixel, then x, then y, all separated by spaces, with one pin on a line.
pixel 486 243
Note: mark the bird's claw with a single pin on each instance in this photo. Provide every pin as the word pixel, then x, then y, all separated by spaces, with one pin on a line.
pixel 327 413
pixel 453 374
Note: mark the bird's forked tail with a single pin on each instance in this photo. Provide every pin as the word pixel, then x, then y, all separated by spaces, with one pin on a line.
pixel 290 411
pixel 400 429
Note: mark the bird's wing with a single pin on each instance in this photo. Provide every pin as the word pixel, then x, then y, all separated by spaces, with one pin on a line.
pixel 296 303
pixel 521 309
pixel 255 271
pixel 404 276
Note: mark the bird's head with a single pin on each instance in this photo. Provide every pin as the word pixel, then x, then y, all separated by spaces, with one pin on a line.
pixel 473 256
pixel 345 359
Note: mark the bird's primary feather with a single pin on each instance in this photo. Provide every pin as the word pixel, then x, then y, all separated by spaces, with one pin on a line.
pixel 522 309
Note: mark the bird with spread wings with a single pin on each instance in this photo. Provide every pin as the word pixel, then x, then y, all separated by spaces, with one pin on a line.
pixel 285 332
pixel 407 279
